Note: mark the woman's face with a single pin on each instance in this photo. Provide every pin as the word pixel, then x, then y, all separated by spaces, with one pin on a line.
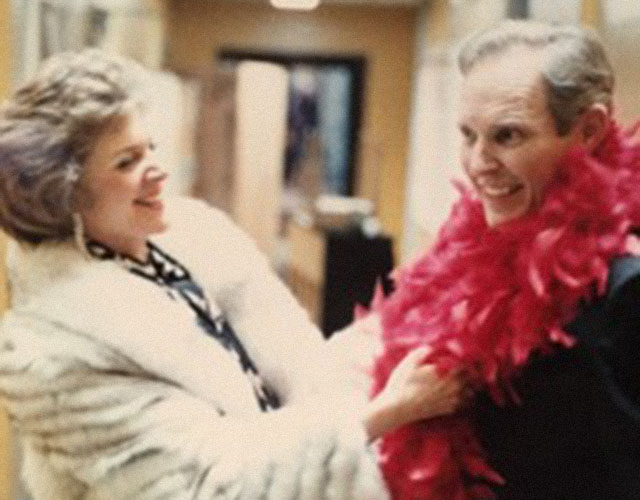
pixel 121 187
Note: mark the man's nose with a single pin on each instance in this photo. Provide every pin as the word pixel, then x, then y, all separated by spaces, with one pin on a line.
pixel 481 159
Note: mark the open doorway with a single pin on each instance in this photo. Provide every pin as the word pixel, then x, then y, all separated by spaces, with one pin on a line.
pixel 323 122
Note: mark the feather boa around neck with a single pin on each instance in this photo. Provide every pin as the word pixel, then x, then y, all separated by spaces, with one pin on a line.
pixel 484 300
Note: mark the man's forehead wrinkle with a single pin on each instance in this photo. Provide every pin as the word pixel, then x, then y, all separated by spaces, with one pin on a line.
pixel 518 102
pixel 499 89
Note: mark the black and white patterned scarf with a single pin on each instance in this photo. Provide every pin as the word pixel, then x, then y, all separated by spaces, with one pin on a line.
pixel 175 279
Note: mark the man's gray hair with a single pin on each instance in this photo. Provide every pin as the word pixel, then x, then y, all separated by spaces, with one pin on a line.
pixel 576 72
pixel 47 130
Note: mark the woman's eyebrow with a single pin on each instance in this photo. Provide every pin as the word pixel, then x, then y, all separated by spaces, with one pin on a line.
pixel 131 147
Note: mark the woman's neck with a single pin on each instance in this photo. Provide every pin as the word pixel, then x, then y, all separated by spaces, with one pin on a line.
pixel 136 248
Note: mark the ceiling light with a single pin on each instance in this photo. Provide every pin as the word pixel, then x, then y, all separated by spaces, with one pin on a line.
pixel 295 4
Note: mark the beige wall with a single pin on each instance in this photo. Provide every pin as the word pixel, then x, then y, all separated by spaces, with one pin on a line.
pixel 197 29
pixel 6 468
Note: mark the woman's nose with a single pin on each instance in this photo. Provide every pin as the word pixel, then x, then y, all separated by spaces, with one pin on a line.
pixel 154 174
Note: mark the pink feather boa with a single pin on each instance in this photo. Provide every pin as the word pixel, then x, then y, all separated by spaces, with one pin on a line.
pixel 484 300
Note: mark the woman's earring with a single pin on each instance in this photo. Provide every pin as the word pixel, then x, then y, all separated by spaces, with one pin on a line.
pixel 78 234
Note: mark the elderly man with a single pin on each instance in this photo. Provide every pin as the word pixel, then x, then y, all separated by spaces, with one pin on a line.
pixel 532 288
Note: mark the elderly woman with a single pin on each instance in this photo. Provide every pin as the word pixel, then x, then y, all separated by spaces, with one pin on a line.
pixel 533 288
pixel 149 351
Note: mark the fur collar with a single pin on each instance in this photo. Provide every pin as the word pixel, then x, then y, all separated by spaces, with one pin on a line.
pixel 56 284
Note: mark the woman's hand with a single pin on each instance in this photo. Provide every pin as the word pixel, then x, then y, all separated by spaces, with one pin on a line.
pixel 413 392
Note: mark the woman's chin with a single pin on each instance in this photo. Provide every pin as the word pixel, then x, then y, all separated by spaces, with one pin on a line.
pixel 160 227
pixel 150 227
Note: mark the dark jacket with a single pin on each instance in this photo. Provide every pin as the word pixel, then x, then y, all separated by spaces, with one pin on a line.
pixel 576 435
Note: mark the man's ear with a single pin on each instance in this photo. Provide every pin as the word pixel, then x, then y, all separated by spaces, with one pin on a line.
pixel 594 124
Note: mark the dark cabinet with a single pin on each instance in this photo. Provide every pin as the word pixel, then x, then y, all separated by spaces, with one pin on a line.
pixel 333 270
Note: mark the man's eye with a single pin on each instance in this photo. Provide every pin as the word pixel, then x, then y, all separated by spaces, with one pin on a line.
pixel 468 135
pixel 508 136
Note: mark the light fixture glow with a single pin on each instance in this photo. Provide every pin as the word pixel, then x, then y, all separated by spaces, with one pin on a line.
pixel 295 4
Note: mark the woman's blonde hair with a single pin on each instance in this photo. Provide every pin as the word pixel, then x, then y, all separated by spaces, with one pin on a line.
pixel 47 130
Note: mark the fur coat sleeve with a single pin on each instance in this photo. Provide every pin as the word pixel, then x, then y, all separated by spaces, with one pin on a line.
pixel 105 413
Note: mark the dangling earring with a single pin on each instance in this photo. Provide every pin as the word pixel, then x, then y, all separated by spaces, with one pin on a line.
pixel 78 234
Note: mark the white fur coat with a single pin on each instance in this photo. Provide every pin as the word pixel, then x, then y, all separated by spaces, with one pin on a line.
pixel 117 394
